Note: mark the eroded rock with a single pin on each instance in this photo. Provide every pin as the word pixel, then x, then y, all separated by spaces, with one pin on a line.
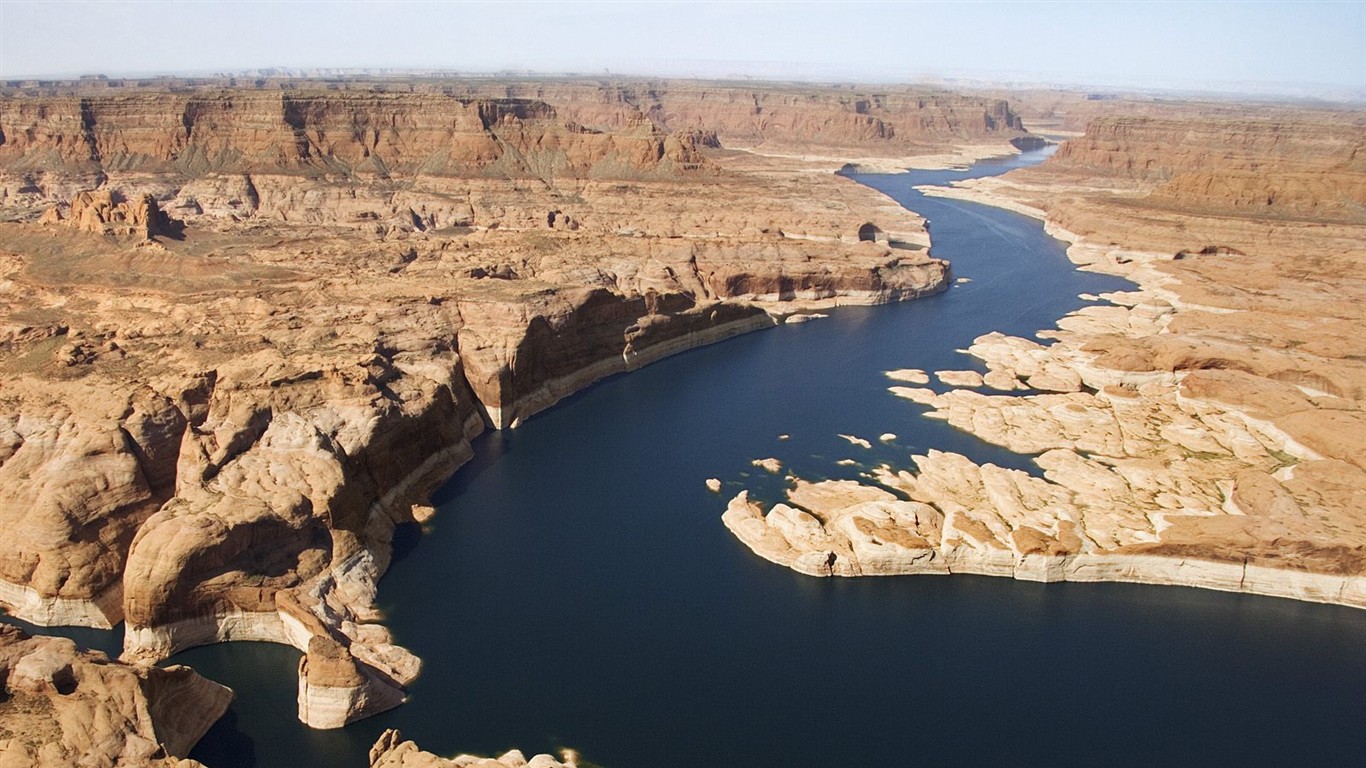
pixel 63 706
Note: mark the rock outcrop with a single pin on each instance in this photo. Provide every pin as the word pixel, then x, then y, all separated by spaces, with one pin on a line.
pixel 392 751
pixel 194 133
pixel 1202 430
pixel 1311 168
pixel 62 706
pixel 101 212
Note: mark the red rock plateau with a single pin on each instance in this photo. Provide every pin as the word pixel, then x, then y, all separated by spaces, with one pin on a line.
pixel 1206 430
pixel 244 332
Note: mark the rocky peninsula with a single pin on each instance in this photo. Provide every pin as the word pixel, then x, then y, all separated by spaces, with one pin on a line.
pixel 245 331
pixel 62 706
pixel 1205 429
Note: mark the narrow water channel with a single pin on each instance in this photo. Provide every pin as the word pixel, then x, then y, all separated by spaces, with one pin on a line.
pixel 578 589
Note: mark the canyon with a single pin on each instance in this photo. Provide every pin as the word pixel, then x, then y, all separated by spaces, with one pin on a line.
pixel 248 330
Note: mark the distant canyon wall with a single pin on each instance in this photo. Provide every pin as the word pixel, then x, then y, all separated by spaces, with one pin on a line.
pixel 472 128
pixel 881 121
pixel 350 133
pixel 1303 168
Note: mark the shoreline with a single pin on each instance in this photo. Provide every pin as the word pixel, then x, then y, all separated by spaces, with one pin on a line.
pixel 790 537
pixel 745 519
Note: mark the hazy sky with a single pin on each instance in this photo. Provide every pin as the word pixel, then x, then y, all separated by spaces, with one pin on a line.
pixel 1180 44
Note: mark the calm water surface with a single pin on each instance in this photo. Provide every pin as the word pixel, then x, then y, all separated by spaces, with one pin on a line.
pixel 578 589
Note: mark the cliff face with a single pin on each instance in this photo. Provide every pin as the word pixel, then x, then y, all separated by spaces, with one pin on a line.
pixel 693 294
pixel 852 119
pixel 883 121
pixel 244 132
pixel 1307 168
pixel 1155 148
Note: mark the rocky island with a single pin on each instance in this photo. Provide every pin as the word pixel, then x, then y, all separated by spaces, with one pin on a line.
pixel 245 331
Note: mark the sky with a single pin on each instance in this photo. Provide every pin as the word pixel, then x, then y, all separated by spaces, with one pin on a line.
pixel 1270 46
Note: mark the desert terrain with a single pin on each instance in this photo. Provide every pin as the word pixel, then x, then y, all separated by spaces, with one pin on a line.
pixel 248 328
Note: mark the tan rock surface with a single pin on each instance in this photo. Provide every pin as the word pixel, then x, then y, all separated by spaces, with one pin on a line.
pixel 838 123
pixel 770 465
pixel 959 378
pixel 63 707
pixel 909 375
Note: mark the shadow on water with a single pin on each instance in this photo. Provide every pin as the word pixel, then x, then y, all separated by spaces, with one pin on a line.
pixel 406 538
pixel 489 449
pixel 227 744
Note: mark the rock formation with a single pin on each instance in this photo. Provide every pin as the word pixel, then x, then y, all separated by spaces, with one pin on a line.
pixel 211 429
pixel 1203 430
pixel 62 706
pixel 391 751
pixel 101 213
pixel 194 133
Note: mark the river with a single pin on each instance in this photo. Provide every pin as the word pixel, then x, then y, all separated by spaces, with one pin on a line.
pixel 577 587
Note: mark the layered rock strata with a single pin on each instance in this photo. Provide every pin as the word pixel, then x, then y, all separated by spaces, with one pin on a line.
pixel 212 428
pixel 349 132
pixel 62 707
pixel 1202 430
pixel 890 121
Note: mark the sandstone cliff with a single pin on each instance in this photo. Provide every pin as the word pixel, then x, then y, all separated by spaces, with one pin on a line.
pixel 1311 168
pixel 889 121
pixel 317 133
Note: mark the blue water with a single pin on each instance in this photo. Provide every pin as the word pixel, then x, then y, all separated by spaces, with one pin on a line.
pixel 578 589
